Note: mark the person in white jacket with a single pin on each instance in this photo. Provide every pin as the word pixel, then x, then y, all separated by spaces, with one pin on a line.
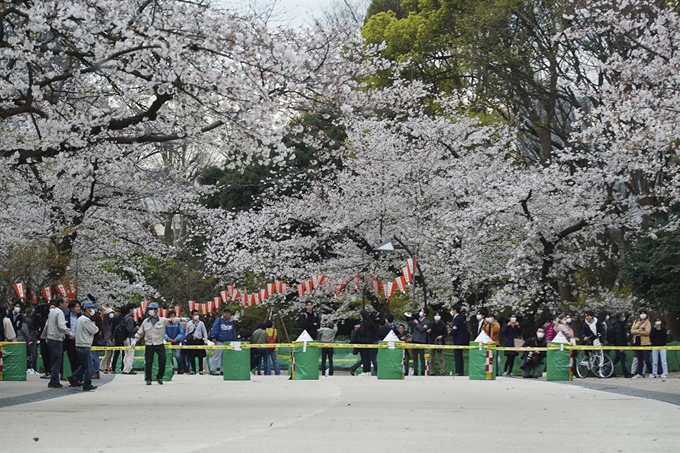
pixel 153 332
pixel 56 331
pixel 85 332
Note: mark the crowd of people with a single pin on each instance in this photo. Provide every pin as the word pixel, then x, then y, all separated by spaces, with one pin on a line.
pixel 65 327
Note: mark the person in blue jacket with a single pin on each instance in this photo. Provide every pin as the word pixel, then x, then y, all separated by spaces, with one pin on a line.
pixel 174 333
pixel 223 330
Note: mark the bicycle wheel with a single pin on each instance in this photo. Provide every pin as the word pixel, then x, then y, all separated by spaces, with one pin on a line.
pixel 606 367
pixel 582 365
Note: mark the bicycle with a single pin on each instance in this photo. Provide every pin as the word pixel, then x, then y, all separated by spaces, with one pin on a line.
pixel 597 362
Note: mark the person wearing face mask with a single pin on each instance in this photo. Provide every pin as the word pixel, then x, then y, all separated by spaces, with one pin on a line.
pixel 658 337
pixel 85 332
pixel 532 361
pixel 17 318
pixel 460 336
pixel 437 334
pixel 421 327
pixel 492 328
pixel 640 331
pixel 481 314
pixel 131 329
pixel 196 335
pixel 619 338
pixel 107 337
pixel 152 330
pixel 563 326
pixel 510 331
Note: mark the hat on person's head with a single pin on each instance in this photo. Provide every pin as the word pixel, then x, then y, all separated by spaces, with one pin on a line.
pixel 89 304
pixel 226 310
pixel 152 306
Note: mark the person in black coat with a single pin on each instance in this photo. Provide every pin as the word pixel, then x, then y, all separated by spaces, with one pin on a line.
pixel 437 335
pixel 367 330
pixel 532 361
pixel 510 331
pixel 620 339
pixel 310 321
pixel 460 336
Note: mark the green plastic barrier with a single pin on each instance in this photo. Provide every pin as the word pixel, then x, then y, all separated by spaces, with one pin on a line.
pixel 169 372
pixel 390 363
pixel 14 362
pixel 66 370
pixel 307 361
pixel 557 364
pixel 236 364
pixel 477 365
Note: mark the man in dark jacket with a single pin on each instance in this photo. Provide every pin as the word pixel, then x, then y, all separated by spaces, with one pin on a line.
pixel 437 334
pixel 309 320
pixel 532 361
pixel 421 329
pixel 460 336
pixel 620 339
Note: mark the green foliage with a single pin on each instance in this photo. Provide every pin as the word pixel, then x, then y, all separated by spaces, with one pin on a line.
pixel 652 266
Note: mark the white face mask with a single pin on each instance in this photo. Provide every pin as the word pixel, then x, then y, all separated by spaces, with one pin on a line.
pixel 111 315
pixel 152 312
pixel 539 335
pixel 480 317
pixel 196 318
pixel 93 311
pixel 17 310
pixel 643 316
pixel 606 318
pixel 657 323
pixel 489 320
pixel 568 320
pixel 422 314
pixel 513 319
pixel 452 313
pixel 437 318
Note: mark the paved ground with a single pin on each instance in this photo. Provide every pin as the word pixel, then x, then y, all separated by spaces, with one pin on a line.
pixel 340 413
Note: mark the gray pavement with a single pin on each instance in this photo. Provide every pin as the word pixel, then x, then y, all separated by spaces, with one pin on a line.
pixel 340 413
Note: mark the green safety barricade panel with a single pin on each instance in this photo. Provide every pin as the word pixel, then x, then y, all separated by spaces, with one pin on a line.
pixel 14 362
pixel 307 361
pixel 558 366
pixel 236 364
pixel 390 361
pixel 477 364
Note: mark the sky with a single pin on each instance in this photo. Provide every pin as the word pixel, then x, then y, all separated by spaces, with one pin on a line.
pixel 297 12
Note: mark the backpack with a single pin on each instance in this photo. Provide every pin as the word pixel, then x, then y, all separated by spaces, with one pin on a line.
pixel 121 332
pixel 354 339
pixel 611 334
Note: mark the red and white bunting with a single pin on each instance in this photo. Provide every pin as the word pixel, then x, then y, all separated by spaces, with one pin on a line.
pixel 178 310
pixel 61 290
pixel 224 295
pixel 408 275
pixel 339 291
pixel 389 288
pixel 163 312
pixel 375 285
pixel 356 283
pixel 231 289
pixel 235 295
pixel 71 289
pixel 271 288
pixel 47 292
pixel 138 313
pixel 401 283
pixel 192 305
pixel 216 302
pixel 301 289
pixel 244 300
pixel 203 308
pixel 210 306
pixel 318 280
pixel 35 299
pixel 251 300
pixel 309 286
pixel 144 304
pixel 256 297
pixel 412 265
pixel 263 295
pixel 20 289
